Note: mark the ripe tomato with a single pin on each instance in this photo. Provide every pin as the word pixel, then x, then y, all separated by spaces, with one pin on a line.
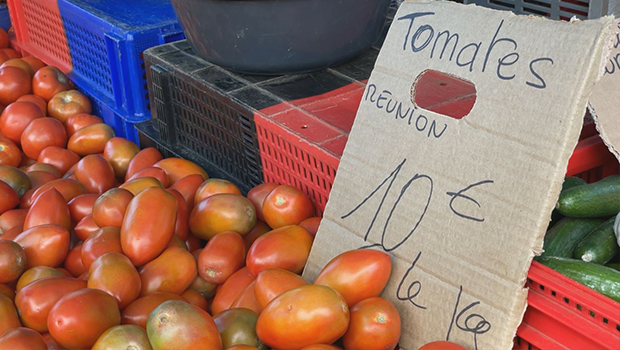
pixel 311 224
pixel 35 300
pixel 34 99
pixel 73 261
pixel 102 241
pixel 195 299
pixel 64 272
pixel 79 121
pixel 173 271
pixel 182 326
pixel 109 209
pixel 95 173
pixel 48 81
pixel 214 186
pixel 187 186
pixel 285 248
pixel 39 178
pixel 45 245
pixel 247 299
pixel 230 290
pixel 286 205
pixel 17 179
pixel 222 212
pixel 42 133
pixel 12 218
pixel 8 315
pixel 22 339
pixel 357 274
pixel 36 273
pixel 19 63
pixel 48 208
pixel 26 162
pixel 115 274
pixel 26 199
pixel 157 173
pixel 181 228
pixel 442 345
pixel 138 311
pixel 4 39
pixel 202 287
pixel 52 344
pixel 119 152
pixel 34 63
pixel 257 196
pixel 81 206
pixel 68 188
pixel 16 117
pixel 61 158
pixel 90 139
pixel 7 291
pixel 85 227
pixel 238 327
pixel 148 225
pixel 144 159
pixel 14 83
pixel 259 229
pixel 43 167
pixel 303 316
pixel 123 337
pixel 374 325
pixel 321 347
pixel 79 318
pixel 175 241
pixel 138 185
pixel 223 256
pixel 243 347
pixel 8 197
pixel 67 103
pixel 12 261
pixel 273 282
pixel 10 153
pixel 178 168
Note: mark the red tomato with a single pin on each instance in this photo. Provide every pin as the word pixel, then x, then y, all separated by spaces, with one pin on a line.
pixel 127 337
pixel 36 273
pixel 242 347
pixel 48 208
pixel 442 345
pixel 222 212
pixel 259 229
pixel 16 117
pixel 19 63
pixel 35 300
pixel 286 205
pixel 223 256
pixel 273 282
pixel 8 315
pixel 8 198
pixel 85 227
pixel 195 299
pixel 181 227
pixel 43 167
pixel 303 316
pixel 4 39
pixel 68 103
pixel 45 245
pixel 115 274
pixel 52 344
pixel 187 186
pixel 202 287
pixel 61 158
pixel 34 63
pixel 26 162
pixel 73 261
pixel 42 133
pixel 257 196
pixel 230 290
pixel 311 224
pixel 285 248
pixel 157 173
pixel 178 168
pixel 79 318
pixel 7 291
pixel 119 152
pixel 374 325
pixel 48 81
pixel 95 173
pixel 79 121
pixel 138 311
pixel 14 83
pixel 82 205
pixel 64 272
pixel 34 99
pixel 90 139
pixel 10 53
pixel 22 339
pixel 214 186
pixel 357 274
pixel 68 188
pixel 12 261
pixel 10 153
pixel 148 225
pixel 12 218
pixel 15 178
pixel 102 241
pixel 138 185
pixel 193 242
pixel 182 326
pixel 109 209
pixel 144 159
pixel 247 299
pixel 39 178
pixel 12 233
pixel 173 271
pixel 321 347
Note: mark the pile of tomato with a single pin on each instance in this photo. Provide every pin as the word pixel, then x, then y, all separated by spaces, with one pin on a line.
pixel 106 246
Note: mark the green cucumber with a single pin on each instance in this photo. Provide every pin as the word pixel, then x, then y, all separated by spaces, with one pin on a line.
pixel 602 279
pixel 562 238
pixel 599 246
pixel 569 182
pixel 615 266
pixel 598 199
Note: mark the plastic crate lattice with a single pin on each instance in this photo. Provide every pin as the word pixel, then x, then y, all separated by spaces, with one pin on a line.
pixel 39 20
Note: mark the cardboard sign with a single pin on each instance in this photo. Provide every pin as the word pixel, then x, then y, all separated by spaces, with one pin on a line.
pixel 462 205
pixel 605 96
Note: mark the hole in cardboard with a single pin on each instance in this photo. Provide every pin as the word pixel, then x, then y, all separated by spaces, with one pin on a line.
pixel 443 94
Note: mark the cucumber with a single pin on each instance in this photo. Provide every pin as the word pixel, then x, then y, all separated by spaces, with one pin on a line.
pixel 617 228
pixel 615 266
pixel 599 246
pixel 562 238
pixel 569 182
pixel 602 279
pixel 598 199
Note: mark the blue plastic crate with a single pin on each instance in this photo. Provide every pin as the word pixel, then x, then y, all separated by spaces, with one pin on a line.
pixel 106 39
pixel 5 20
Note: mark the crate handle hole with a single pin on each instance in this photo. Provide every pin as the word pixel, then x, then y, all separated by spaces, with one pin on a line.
pixel 443 94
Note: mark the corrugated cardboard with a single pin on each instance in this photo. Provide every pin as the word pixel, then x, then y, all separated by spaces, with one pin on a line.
pixel 462 205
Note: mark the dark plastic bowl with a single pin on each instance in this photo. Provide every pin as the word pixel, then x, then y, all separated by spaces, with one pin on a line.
pixel 273 37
